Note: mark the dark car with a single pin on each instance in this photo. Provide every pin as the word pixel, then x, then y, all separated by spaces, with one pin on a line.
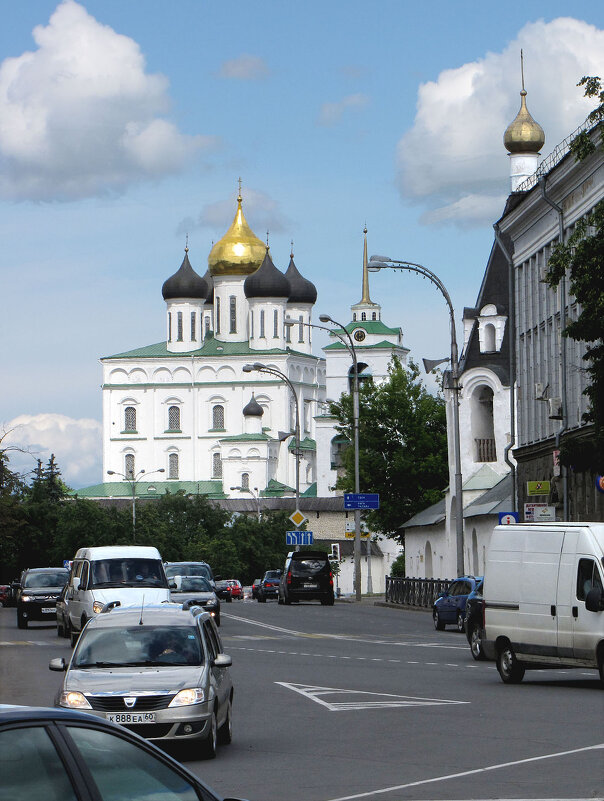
pixel 223 590
pixel 62 753
pixel 450 607
pixel 172 569
pixel 269 586
pixel 198 590
pixel 474 621
pixel 38 592
pixel 307 576
pixel 255 588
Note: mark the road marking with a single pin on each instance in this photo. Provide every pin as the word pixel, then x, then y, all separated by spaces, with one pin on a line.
pixel 390 701
pixel 397 787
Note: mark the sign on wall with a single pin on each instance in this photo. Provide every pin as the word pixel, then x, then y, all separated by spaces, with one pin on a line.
pixel 537 488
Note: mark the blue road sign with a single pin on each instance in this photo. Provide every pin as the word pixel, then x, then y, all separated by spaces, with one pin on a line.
pixel 361 500
pixel 507 518
pixel 298 537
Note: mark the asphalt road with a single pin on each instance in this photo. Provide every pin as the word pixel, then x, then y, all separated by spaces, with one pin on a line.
pixel 366 702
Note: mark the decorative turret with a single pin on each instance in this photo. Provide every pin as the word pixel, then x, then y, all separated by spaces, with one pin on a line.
pixel 301 290
pixel 252 414
pixel 523 139
pixel 239 252
pixel 302 297
pixel 185 293
pixel 185 283
pixel 267 281
pixel 365 309
pixel 267 291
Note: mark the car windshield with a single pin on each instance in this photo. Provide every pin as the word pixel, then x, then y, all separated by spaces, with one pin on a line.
pixel 308 567
pixel 46 579
pixel 127 573
pixel 193 584
pixel 153 646
pixel 188 570
pixel 272 574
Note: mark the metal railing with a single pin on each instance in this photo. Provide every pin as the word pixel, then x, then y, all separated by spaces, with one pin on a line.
pixel 414 591
pixel 486 450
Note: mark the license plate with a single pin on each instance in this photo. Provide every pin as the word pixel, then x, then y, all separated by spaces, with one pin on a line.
pixel 132 717
pixel 310 586
pixel 48 610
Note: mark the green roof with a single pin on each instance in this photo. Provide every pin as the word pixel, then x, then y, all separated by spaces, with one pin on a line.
pixel 122 489
pixel 211 347
pixel 371 326
pixel 246 438
pixel 311 492
pixel 381 345
pixel 275 489
pixel 306 444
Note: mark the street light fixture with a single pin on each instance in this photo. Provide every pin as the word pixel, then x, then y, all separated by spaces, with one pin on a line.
pixel 377 263
pixel 255 495
pixel 133 481
pixel 263 368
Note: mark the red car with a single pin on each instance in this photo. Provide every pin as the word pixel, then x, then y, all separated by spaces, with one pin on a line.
pixel 235 589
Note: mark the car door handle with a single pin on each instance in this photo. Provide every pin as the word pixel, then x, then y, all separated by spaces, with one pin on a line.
pixel 575 611
pixel 552 610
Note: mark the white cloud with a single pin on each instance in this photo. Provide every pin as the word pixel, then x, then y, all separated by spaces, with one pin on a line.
pixel 453 156
pixel 244 68
pixel 331 113
pixel 76 444
pixel 79 115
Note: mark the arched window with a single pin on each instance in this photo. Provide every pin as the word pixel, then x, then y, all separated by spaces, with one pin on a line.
pixel 354 317
pixel 483 426
pixel 179 324
pixel 233 314
pixel 374 316
pixel 300 329
pixel 363 316
pixel 275 323
pixel 129 465
pixel 217 324
pixel 174 418
pixel 216 466
pixel 251 325
pixel 207 324
pixel 169 326
pixel 218 417
pixel 129 418
pixel 193 331
pixel 262 323
pixel 245 481
pixel 173 465
pixel 489 338
pixel 288 333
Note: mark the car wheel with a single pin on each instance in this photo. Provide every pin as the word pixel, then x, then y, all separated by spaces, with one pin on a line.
pixel 225 732
pixel 510 669
pixel 327 601
pixel 280 600
pixel 60 629
pixel 438 624
pixel 21 621
pixel 73 636
pixel 460 622
pixel 261 599
pixel 211 740
pixel 287 600
pixel 601 666
pixel 476 643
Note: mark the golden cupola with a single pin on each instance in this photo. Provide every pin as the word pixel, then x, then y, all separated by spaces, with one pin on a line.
pixel 524 135
pixel 239 252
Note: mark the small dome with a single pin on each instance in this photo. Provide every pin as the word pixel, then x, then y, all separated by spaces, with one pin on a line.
pixel 266 282
pixel 301 289
pixel 524 135
pixel 210 284
pixel 253 408
pixel 239 252
pixel 185 283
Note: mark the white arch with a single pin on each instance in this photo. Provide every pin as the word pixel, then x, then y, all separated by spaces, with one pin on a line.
pixel 162 376
pixel 182 375
pixel 206 373
pixel 225 373
pixel 137 376
pixel 118 377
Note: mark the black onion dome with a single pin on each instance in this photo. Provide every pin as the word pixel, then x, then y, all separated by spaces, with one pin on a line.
pixel 267 281
pixel 301 289
pixel 253 408
pixel 185 283
pixel 210 284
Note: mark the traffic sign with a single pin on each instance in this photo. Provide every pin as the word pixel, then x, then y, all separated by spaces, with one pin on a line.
pixel 361 500
pixel 508 518
pixel 297 518
pixel 298 538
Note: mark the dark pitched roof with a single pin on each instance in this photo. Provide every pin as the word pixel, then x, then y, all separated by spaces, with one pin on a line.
pixel 185 283
pixel 301 289
pixel 267 281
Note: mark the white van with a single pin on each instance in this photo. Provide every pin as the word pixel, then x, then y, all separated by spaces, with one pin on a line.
pixel 544 598
pixel 130 574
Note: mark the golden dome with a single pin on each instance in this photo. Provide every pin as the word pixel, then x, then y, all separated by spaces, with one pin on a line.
pixel 524 135
pixel 239 252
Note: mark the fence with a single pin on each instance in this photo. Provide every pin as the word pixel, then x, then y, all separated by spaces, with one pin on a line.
pixel 414 591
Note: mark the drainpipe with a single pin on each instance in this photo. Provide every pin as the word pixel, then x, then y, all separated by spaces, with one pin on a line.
pixel 563 343
pixel 512 332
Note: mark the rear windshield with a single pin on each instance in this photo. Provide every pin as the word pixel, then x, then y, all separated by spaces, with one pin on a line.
pixel 309 567
pixel 188 570
pixel 141 646
pixel 272 574
pixel 46 579
pixel 127 573
pixel 192 584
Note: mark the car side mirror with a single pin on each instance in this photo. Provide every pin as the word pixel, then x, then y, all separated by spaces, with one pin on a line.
pixel 217 578
pixel 57 664
pixel 223 661
pixel 172 585
pixel 75 583
pixel 593 600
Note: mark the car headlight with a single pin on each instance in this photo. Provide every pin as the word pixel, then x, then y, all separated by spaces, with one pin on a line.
pixel 193 695
pixel 26 598
pixel 74 700
pixel 97 607
pixel 211 604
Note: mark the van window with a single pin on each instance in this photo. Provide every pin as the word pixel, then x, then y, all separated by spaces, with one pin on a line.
pixel 588 577
pixel 127 573
pixel 84 576
pixel 309 567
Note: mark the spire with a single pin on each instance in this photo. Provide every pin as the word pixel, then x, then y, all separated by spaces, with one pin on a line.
pixel 365 310
pixel 365 297
pixel 523 134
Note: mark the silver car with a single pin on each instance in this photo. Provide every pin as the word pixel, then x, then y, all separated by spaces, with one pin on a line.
pixel 195 589
pixel 157 670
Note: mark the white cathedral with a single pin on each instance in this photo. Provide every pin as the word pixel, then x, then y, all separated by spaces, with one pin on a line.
pixel 184 415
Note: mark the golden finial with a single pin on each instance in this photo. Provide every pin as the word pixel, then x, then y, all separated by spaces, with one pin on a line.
pixel 522 68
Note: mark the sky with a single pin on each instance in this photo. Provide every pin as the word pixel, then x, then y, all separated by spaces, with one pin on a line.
pixel 125 126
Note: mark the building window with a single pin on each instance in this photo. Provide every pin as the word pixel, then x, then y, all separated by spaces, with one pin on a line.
pixel 300 329
pixel 483 425
pixel 363 316
pixel 193 331
pixel 354 317
pixel 233 314
pixel 251 325
pixel 129 465
pixel 129 418
pixel 174 418
pixel 169 326
pixel 218 417
pixel 207 330
pixel 179 324
pixel 374 316
pixel 275 323
pixel 262 323
pixel 216 466
pixel 245 481
pixel 489 338
pixel 217 324
pixel 288 333
pixel 173 465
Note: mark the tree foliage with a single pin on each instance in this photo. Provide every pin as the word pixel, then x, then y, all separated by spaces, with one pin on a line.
pixel 582 145
pixel 402 446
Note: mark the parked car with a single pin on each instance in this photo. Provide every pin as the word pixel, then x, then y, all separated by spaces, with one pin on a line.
pixel 37 595
pixel 198 590
pixel 269 586
pixel 474 621
pixel 5 594
pixel 191 569
pixel 158 670
pixel 223 590
pixel 307 576
pixel 450 607
pixel 236 589
pixel 255 588
pixel 63 753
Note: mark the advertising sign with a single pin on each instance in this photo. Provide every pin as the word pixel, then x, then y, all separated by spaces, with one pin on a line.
pixel 539 513
pixel 537 487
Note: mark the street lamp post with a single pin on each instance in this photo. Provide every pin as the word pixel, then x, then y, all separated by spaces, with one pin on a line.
pixel 133 481
pixel 377 263
pixel 263 368
pixel 255 495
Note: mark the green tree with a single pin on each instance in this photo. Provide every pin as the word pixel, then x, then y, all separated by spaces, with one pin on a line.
pixel 402 446
pixel 582 145
pixel 12 517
